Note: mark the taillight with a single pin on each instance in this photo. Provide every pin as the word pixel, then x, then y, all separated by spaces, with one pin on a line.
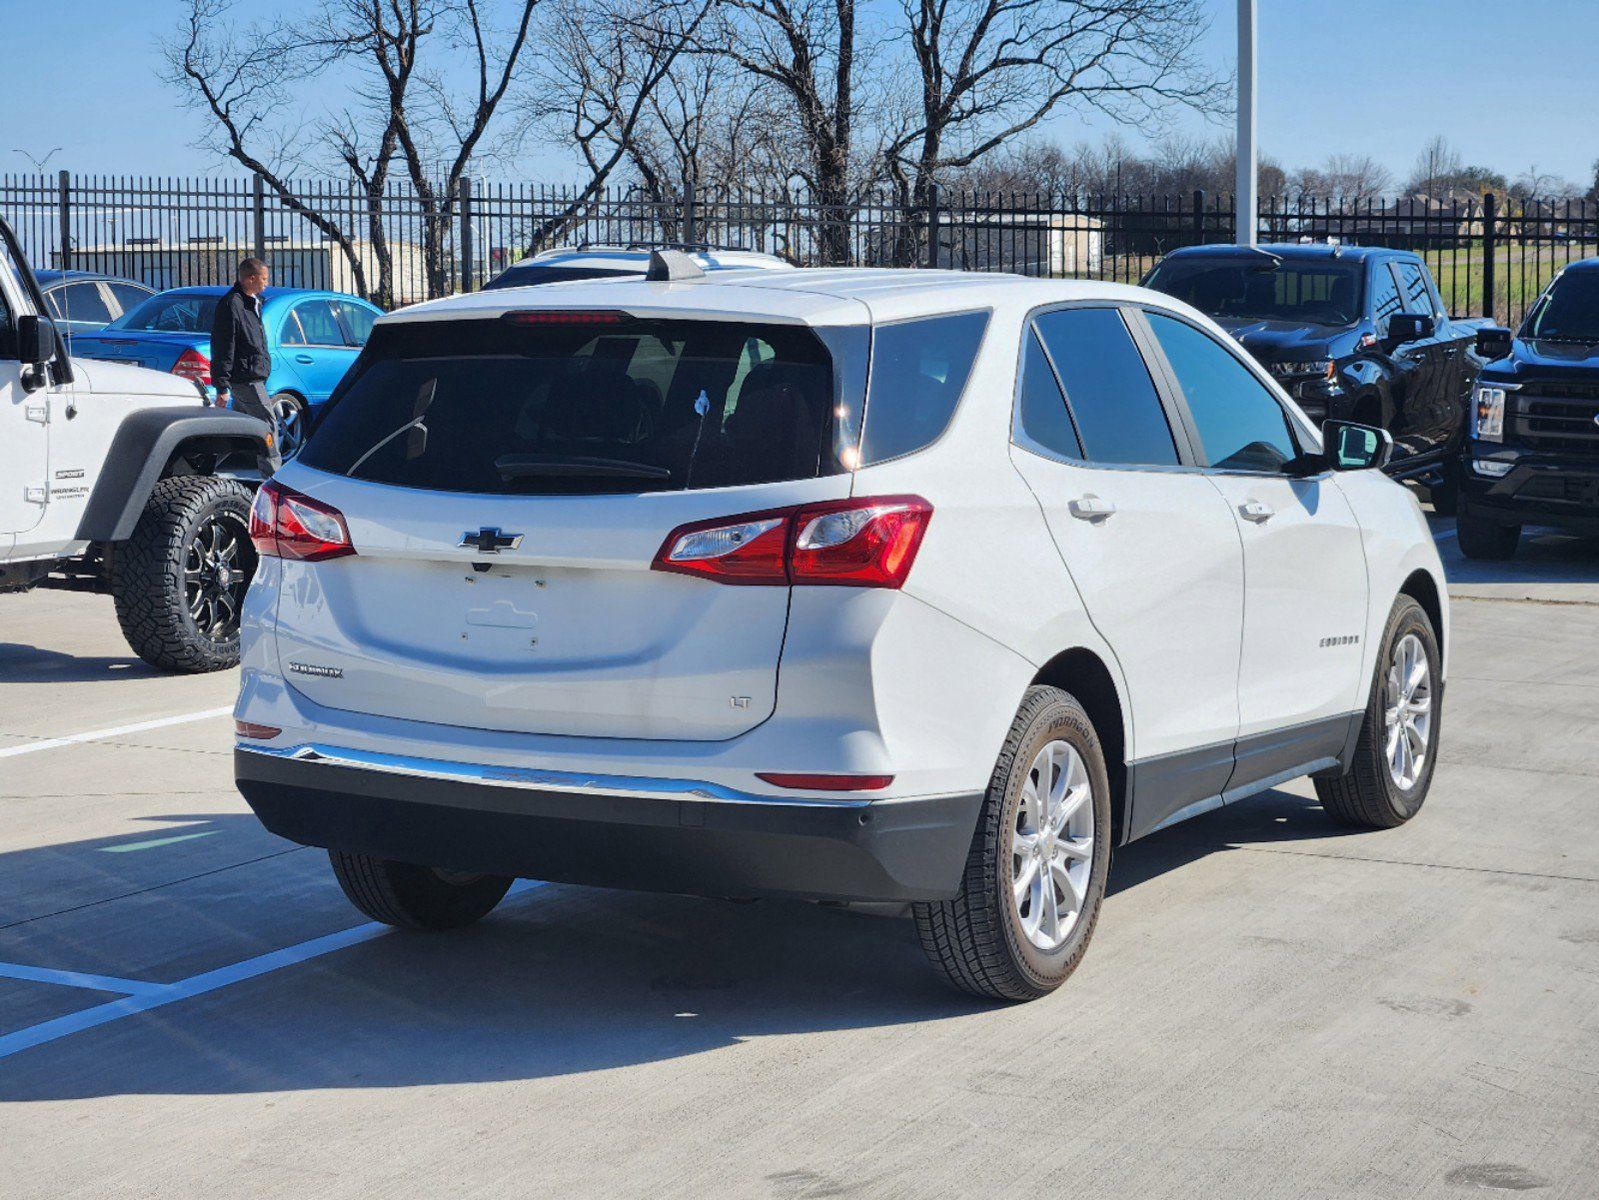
pixel 286 524
pixel 193 365
pixel 866 542
pixel 260 733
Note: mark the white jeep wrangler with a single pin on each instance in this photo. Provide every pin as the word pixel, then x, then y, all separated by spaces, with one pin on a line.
pixel 118 479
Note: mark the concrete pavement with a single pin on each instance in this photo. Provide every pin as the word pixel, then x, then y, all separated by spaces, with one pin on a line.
pixel 1271 1006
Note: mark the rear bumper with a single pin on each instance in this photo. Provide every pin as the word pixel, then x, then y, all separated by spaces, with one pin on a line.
pixel 1540 489
pixel 706 841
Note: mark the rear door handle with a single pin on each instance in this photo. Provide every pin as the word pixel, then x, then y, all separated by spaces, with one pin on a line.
pixel 304 358
pixel 1256 511
pixel 1091 508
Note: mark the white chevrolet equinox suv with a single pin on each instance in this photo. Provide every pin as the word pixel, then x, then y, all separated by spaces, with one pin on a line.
pixel 910 588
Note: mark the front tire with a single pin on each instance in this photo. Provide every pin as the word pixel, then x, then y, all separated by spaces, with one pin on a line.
pixel 1397 750
pixel 413 897
pixel 1483 540
pixel 1035 874
pixel 179 580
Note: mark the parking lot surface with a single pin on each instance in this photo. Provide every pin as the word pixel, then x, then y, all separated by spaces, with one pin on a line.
pixel 1272 1006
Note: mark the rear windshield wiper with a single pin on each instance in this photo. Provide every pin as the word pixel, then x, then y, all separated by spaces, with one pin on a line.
pixel 524 466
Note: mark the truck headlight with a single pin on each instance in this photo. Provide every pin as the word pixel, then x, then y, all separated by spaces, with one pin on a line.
pixel 1302 366
pixel 1488 417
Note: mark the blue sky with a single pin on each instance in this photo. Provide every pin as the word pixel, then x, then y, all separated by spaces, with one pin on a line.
pixel 1337 76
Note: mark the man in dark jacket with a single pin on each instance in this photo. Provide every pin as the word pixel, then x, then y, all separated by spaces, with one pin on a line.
pixel 240 362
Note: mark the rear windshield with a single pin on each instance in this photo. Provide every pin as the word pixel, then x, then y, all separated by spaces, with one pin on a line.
pixel 1317 293
pixel 642 405
pixel 172 312
pixel 1568 311
pixel 531 275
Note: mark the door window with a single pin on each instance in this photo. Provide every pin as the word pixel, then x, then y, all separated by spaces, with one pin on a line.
pixel 81 302
pixel 1241 425
pixel 1112 398
pixel 318 326
pixel 1041 415
pixel 357 321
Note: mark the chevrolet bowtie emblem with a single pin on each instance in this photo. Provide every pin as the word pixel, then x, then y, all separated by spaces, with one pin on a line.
pixel 490 540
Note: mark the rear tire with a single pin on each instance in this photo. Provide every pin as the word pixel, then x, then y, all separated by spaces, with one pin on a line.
pixel 179 580
pixel 1374 793
pixel 995 938
pixel 412 897
pixel 288 413
pixel 1481 539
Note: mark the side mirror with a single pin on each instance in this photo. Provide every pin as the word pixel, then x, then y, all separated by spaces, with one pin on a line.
pixel 1493 341
pixel 36 340
pixel 1409 327
pixel 1352 447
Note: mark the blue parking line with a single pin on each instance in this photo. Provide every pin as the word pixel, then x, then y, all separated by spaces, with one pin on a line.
pixel 78 979
pixel 153 996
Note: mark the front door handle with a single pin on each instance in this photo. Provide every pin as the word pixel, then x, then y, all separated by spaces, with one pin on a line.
pixel 1091 508
pixel 1256 511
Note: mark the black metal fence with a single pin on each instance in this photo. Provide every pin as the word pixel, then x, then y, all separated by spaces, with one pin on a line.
pixel 1491 256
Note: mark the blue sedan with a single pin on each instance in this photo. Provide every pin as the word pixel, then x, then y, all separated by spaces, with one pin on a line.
pixel 313 338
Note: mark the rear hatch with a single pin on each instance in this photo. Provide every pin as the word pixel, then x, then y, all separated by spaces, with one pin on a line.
pixel 507 485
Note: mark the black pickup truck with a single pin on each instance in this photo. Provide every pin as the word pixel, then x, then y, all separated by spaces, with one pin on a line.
pixel 1357 333
pixel 1532 457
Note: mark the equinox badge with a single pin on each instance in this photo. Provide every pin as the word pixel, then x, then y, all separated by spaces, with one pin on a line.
pixel 490 540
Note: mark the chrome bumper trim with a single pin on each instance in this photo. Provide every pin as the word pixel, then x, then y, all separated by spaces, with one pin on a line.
pixel 539 780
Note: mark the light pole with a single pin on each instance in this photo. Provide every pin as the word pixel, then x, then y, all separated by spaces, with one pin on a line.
pixel 1247 202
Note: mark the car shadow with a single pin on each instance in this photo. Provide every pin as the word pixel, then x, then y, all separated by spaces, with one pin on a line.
pixel 1542 556
pixel 21 663
pixel 561 980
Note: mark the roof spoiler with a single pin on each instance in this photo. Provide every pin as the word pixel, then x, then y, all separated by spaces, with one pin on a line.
pixel 671 266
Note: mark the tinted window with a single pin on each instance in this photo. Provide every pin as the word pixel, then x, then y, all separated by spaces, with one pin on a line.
pixel 1569 310
pixel 81 302
pixel 358 319
pixel 1417 295
pixel 128 296
pixel 918 371
pixel 1240 423
pixel 1117 410
pixel 647 405
pixel 1320 292
pixel 1042 412
pixel 530 276
pixel 1384 296
pixel 172 312
pixel 317 326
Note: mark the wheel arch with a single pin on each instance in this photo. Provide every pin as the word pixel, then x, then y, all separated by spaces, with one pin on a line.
pixel 1421 587
pixel 152 444
pixel 1085 675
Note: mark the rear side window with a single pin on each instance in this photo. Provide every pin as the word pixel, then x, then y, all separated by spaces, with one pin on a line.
pixel 919 370
pixel 1117 409
pixel 1418 296
pixel 1384 297
pixel 1240 423
pixel 1041 413
pixel 313 324
pixel 358 320
pixel 642 405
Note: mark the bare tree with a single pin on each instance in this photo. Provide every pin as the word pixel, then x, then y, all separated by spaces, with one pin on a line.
pixel 990 70
pixel 595 89
pixel 404 112
pixel 1437 170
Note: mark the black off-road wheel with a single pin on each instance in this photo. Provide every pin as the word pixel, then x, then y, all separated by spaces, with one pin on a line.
pixel 179 580
pixel 413 897
pixel 1397 750
pixel 1035 875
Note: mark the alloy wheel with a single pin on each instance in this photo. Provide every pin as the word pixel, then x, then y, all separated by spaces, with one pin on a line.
pixel 290 419
pixel 1052 845
pixel 216 574
pixel 1407 711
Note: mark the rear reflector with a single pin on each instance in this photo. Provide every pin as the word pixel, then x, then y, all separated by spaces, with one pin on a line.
pixel 865 542
pixel 261 733
pixel 826 783
pixel 567 316
pixel 286 524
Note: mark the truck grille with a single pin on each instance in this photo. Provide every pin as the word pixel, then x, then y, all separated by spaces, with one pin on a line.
pixel 1559 418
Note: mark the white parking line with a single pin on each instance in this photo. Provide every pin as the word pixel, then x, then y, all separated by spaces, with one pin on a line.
pixel 158 995
pixel 120 731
